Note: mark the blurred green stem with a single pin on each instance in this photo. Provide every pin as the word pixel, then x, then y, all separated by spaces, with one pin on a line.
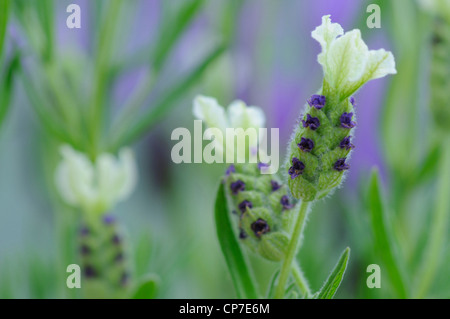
pixel 438 232
pixel 292 250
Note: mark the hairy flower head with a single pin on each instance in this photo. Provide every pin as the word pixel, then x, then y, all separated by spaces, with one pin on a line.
pixel 321 142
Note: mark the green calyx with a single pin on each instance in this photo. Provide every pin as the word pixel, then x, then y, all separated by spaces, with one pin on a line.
pixel 320 147
pixel 103 260
pixel 263 210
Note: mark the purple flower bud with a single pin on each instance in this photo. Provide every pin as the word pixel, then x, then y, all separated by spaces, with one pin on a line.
pixel 306 144
pixel 84 231
pixel 260 227
pixel 119 257
pixel 346 120
pixel 352 100
pixel 242 234
pixel 297 168
pixel 341 165
pixel 109 219
pixel 90 272
pixel 244 204
pixel 317 101
pixel 312 122
pixel 237 187
pixel 85 250
pixel 285 202
pixel 124 279
pixel 116 239
pixel 345 143
pixel 230 169
pixel 275 185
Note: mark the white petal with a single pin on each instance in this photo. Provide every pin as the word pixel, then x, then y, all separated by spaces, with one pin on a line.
pixel 257 117
pixel 244 116
pixel 237 114
pixel 63 185
pixel 380 64
pixel 129 172
pixel 95 188
pixel 347 59
pixel 208 110
pixel 117 178
pixel 325 34
pixel 107 180
pixel 79 174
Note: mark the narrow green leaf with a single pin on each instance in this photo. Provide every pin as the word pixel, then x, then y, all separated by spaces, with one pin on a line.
pixel 231 250
pixel 429 165
pixel 46 117
pixel 334 280
pixel 166 102
pixel 4 13
pixel 438 238
pixel 382 235
pixel 147 288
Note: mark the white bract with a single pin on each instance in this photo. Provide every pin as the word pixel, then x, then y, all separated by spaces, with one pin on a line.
pixel 237 116
pixel 95 187
pixel 346 60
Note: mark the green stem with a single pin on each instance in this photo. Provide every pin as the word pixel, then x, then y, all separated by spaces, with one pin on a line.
pixel 438 231
pixel 300 280
pixel 292 250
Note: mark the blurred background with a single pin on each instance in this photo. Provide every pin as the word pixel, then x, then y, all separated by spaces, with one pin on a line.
pixel 270 60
